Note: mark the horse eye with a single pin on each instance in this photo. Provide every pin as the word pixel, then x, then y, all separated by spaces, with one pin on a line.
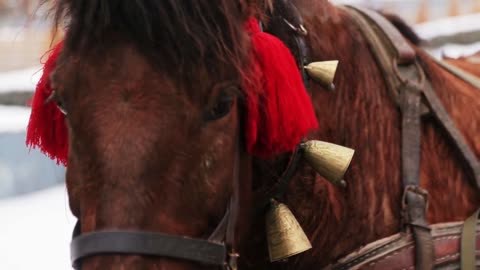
pixel 58 101
pixel 221 108
pixel 61 107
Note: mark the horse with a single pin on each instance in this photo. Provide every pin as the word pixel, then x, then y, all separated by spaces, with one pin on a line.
pixel 469 63
pixel 154 114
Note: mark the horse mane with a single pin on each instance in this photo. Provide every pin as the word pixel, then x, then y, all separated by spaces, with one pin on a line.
pixel 402 26
pixel 178 34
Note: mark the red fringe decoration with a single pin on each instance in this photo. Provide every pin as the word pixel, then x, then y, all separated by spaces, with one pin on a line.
pixel 279 111
pixel 47 129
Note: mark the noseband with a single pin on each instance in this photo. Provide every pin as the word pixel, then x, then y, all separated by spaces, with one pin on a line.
pixel 220 249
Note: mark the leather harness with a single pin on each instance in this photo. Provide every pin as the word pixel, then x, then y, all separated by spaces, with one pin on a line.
pixel 414 95
pixel 408 86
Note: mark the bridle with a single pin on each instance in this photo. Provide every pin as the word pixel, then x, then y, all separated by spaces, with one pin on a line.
pixel 221 247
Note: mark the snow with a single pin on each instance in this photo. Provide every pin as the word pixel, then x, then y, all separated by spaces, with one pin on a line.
pixel 35 231
pixel 20 80
pixel 456 50
pixel 12 33
pixel 448 26
pixel 13 119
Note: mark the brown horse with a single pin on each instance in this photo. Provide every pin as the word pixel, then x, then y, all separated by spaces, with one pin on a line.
pixel 137 79
pixel 470 64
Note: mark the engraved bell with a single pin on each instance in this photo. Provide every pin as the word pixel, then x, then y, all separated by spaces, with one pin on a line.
pixel 323 72
pixel 330 160
pixel 285 236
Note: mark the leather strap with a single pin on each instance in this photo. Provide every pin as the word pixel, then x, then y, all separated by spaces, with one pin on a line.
pixel 280 188
pixel 231 234
pixel 147 243
pixel 287 24
pixel 459 73
pixel 397 251
pixel 405 54
pixel 381 48
pixel 415 198
pixel 468 244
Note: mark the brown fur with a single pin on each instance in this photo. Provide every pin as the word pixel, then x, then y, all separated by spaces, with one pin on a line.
pixel 470 64
pixel 142 158
pixel 361 115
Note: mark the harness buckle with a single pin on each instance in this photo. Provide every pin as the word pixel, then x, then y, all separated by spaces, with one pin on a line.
pixel 232 261
pixel 414 206
pixel 301 30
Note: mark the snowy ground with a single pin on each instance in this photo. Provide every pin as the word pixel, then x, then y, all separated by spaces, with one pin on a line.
pixel 13 119
pixel 20 80
pixel 448 26
pixel 456 50
pixel 35 231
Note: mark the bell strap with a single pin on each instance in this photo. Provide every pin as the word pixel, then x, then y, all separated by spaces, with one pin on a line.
pixel 468 246
pixel 148 244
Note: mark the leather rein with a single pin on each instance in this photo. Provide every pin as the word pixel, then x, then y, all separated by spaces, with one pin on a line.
pixel 220 248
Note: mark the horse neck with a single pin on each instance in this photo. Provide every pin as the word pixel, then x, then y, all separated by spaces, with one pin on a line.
pixel 361 115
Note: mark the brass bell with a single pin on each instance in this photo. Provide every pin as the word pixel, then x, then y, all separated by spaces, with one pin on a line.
pixel 285 236
pixel 330 160
pixel 323 72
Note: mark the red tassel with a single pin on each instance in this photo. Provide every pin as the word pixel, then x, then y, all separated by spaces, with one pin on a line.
pixel 47 129
pixel 279 110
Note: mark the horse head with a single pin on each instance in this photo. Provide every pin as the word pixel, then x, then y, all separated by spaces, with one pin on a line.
pixel 151 94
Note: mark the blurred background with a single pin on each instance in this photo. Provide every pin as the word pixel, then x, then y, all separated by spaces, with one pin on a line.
pixel 35 222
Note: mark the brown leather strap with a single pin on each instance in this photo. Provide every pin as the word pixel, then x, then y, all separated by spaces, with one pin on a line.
pixel 459 73
pixel 286 23
pixel 468 244
pixel 381 48
pixel 405 54
pixel 148 244
pixel 234 211
pixel 397 251
pixel 415 199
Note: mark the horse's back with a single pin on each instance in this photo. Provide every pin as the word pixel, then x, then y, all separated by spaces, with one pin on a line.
pixel 444 174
